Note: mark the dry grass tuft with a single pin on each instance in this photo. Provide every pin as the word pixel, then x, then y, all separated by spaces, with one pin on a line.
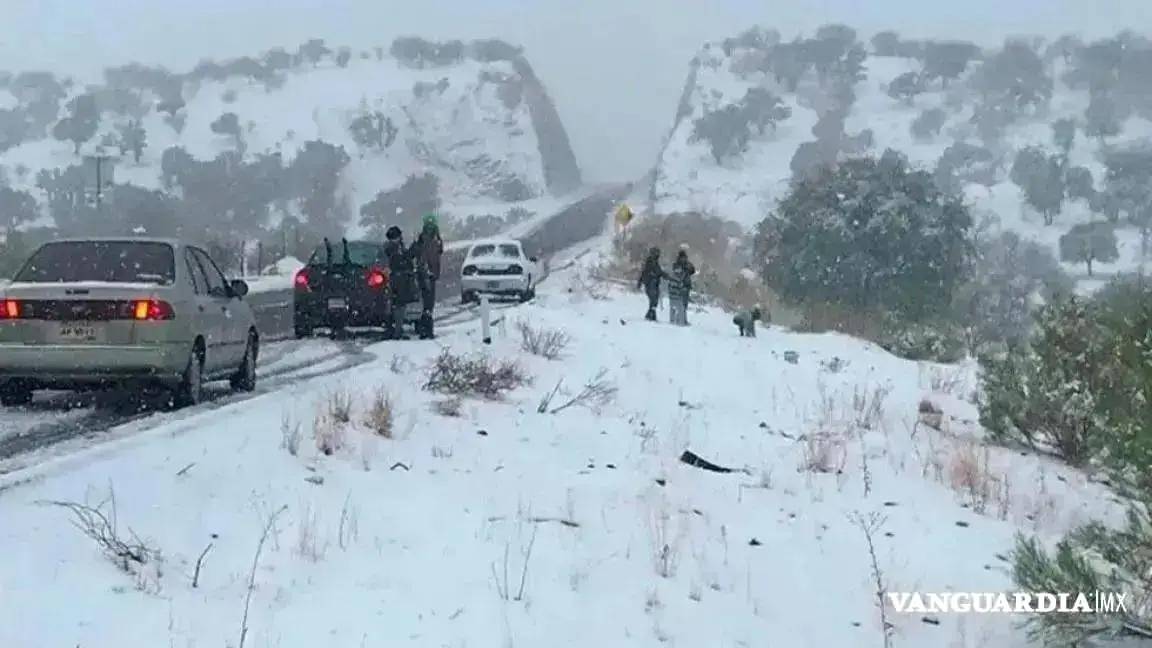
pixel 544 342
pixel 380 414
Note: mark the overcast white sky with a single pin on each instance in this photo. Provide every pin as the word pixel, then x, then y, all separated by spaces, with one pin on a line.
pixel 614 67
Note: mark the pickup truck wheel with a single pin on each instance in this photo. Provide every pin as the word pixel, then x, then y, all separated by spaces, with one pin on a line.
pixel 15 393
pixel 190 391
pixel 245 377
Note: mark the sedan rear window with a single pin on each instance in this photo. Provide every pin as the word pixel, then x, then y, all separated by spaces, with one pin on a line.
pixel 110 261
pixel 505 249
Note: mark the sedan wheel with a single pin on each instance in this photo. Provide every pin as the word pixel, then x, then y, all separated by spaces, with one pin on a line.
pixel 191 389
pixel 245 377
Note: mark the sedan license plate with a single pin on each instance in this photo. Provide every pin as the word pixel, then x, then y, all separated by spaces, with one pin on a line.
pixel 493 284
pixel 337 304
pixel 77 332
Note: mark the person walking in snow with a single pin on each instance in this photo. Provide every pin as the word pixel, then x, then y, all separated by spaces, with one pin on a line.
pixel 650 275
pixel 745 321
pixel 680 288
pixel 427 251
pixel 402 289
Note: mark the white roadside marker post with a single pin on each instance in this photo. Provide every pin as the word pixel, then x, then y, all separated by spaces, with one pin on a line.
pixel 485 321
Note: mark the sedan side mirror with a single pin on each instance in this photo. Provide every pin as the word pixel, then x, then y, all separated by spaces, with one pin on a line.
pixel 239 287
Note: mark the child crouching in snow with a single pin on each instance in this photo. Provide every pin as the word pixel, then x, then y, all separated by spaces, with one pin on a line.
pixel 746 322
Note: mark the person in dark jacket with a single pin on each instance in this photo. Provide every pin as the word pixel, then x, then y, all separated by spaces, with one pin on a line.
pixel 745 321
pixel 679 288
pixel 401 284
pixel 650 275
pixel 427 251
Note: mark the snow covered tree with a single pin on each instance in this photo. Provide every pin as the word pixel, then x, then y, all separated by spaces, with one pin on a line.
pixel 1102 117
pixel 1079 184
pixel 373 130
pixel 832 44
pixel 314 176
pixel 229 124
pixel 16 207
pixel 788 63
pixel 928 123
pixel 277 59
pixel 1064 47
pixel 1128 183
pixel 905 87
pixel 80 124
pixel 1089 242
pixel 963 163
pixel 727 132
pixel 867 232
pixel 343 56
pixel 1015 78
pixel 313 51
pixel 1041 178
pixel 1095 66
pixel 132 137
pixel 885 43
pixel 948 60
pixel 762 108
pixel 1064 134
pixel 403 206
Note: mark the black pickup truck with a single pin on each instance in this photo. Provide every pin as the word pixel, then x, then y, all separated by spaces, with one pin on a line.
pixel 342 285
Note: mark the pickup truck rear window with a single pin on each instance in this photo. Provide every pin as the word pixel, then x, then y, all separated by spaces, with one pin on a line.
pixel 108 261
pixel 359 253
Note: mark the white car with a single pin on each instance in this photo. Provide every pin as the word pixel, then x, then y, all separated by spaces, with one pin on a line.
pixel 498 267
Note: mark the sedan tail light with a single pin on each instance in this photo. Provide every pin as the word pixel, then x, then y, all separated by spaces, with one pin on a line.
pixel 9 309
pixel 152 310
pixel 301 281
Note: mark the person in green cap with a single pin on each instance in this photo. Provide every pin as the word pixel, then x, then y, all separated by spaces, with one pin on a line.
pixel 427 249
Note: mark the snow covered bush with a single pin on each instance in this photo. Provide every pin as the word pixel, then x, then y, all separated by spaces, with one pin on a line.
pixel 867 233
pixel 1010 277
pixel 478 375
pixel 1091 558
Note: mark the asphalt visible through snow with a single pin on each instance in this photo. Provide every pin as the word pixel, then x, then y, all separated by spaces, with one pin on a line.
pixel 86 419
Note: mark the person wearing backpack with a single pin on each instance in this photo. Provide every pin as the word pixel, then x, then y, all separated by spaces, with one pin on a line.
pixel 427 250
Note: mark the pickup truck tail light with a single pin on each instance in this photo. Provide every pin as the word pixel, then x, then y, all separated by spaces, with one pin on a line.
pixel 377 278
pixel 301 280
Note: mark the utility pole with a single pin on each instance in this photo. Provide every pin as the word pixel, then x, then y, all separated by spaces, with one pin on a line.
pixel 97 160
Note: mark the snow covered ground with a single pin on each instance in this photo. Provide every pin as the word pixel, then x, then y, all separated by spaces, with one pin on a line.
pixel 745 188
pixel 504 526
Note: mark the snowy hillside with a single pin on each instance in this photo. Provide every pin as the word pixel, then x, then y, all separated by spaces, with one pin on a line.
pixel 744 187
pixel 483 125
pixel 483 522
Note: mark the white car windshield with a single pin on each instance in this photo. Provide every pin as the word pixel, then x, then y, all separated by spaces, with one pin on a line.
pixel 510 250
